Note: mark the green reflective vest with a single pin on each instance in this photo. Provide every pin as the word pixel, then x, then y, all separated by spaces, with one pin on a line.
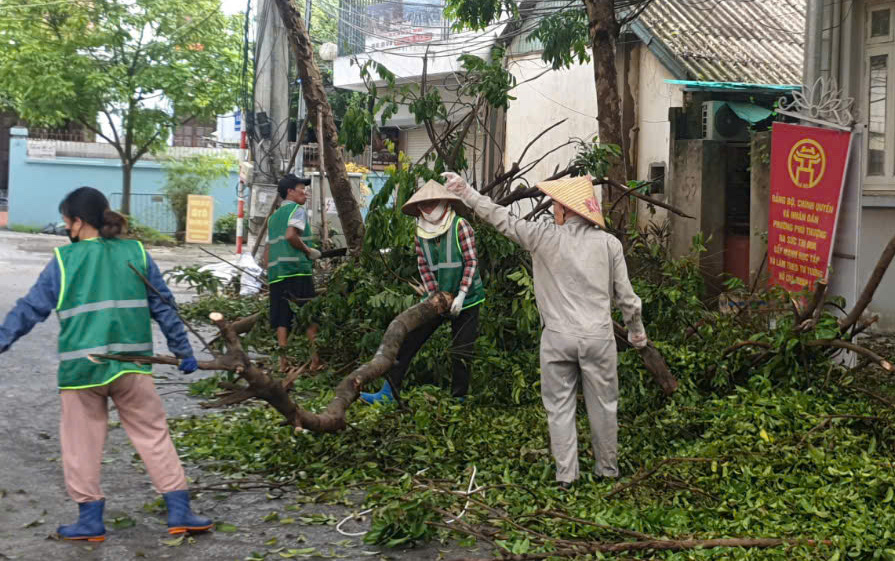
pixel 285 261
pixel 445 259
pixel 102 309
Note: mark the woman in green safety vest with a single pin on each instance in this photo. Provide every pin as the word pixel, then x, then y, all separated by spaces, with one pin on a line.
pixel 104 307
pixel 446 258
pixel 290 257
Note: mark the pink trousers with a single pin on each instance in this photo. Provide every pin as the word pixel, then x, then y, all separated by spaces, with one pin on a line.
pixel 85 422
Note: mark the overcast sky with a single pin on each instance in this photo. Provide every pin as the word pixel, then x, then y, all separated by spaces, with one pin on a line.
pixel 236 6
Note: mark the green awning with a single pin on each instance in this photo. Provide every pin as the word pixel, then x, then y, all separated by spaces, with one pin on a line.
pixel 735 86
pixel 749 112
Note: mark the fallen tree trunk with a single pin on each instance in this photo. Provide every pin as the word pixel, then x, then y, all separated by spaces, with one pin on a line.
pixel 262 386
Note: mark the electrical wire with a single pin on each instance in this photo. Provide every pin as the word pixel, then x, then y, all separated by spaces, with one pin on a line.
pixel 478 41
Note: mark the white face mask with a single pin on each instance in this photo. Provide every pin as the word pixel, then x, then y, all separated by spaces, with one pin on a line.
pixel 436 215
pixel 435 223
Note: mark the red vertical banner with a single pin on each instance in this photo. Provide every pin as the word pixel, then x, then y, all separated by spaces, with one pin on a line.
pixel 807 174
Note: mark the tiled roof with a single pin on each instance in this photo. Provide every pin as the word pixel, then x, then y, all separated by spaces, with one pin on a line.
pixel 752 41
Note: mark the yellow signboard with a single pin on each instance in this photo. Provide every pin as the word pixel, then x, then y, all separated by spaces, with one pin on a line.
pixel 199 219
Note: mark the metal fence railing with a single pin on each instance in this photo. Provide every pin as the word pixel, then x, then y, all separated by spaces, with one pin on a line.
pixel 101 150
pixel 149 209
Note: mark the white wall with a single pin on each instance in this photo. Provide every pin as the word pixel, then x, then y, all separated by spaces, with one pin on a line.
pixel 562 94
pixel 655 98
pixel 570 94
pixel 875 233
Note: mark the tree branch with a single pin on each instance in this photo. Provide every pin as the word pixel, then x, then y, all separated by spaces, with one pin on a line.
pixel 514 169
pixel 115 143
pixel 839 344
pixel 262 386
pixel 870 288
pixel 634 193
pixel 652 360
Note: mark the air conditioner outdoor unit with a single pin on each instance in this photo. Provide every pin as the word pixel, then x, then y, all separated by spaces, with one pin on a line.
pixel 719 122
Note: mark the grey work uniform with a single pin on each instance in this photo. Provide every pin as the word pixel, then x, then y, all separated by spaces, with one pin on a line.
pixel 578 271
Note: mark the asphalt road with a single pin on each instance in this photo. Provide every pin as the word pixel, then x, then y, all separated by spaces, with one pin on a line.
pixel 33 501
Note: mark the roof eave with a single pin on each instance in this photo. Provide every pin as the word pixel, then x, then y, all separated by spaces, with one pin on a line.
pixel 668 59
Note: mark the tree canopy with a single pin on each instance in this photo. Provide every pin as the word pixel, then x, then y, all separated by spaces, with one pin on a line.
pixel 142 67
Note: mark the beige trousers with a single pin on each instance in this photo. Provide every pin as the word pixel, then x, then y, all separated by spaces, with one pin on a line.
pixel 563 359
pixel 85 422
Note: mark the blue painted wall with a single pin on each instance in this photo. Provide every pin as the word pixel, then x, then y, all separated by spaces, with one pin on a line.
pixel 37 185
pixel 376 181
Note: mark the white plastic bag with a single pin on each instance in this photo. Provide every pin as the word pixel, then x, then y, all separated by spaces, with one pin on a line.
pixel 249 283
pixel 222 271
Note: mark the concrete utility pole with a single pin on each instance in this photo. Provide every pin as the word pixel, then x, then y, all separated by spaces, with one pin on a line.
pixel 271 100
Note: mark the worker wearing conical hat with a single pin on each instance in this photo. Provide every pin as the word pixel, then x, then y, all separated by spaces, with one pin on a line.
pixel 446 258
pixel 579 269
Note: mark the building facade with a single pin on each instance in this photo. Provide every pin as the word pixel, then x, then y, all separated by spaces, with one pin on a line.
pixel 850 67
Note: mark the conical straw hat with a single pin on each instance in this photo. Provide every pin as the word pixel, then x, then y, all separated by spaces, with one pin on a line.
pixel 578 195
pixel 431 191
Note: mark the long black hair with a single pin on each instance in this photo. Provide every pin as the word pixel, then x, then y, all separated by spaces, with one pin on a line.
pixel 92 207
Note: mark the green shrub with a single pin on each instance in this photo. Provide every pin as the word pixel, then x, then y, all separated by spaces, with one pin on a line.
pixel 192 175
pixel 22 229
pixel 147 234
pixel 225 228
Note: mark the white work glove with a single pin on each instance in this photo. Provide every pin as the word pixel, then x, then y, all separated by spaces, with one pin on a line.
pixel 456 184
pixel 313 254
pixel 638 340
pixel 457 305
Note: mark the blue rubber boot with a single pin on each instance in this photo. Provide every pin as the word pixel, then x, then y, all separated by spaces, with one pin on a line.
pixel 89 526
pixel 180 517
pixel 382 396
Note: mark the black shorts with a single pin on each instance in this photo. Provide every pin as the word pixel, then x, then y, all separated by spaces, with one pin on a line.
pixel 297 289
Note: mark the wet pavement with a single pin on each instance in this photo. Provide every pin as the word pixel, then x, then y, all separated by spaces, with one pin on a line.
pixel 33 500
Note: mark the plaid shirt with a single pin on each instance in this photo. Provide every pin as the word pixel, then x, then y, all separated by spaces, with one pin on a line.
pixel 467 245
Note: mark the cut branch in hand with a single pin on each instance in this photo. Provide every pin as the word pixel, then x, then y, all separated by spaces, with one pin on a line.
pixel 652 359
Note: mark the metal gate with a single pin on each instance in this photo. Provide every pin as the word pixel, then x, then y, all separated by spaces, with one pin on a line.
pixel 149 209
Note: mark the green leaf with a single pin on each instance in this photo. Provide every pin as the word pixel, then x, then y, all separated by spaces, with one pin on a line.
pixel 175 542
pixel 122 522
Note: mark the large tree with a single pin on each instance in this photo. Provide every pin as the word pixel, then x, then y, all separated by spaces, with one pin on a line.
pixel 141 67
pixel 318 103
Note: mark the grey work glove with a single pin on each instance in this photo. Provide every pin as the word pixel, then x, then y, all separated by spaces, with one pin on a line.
pixel 457 304
pixel 313 254
pixel 456 184
pixel 638 340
